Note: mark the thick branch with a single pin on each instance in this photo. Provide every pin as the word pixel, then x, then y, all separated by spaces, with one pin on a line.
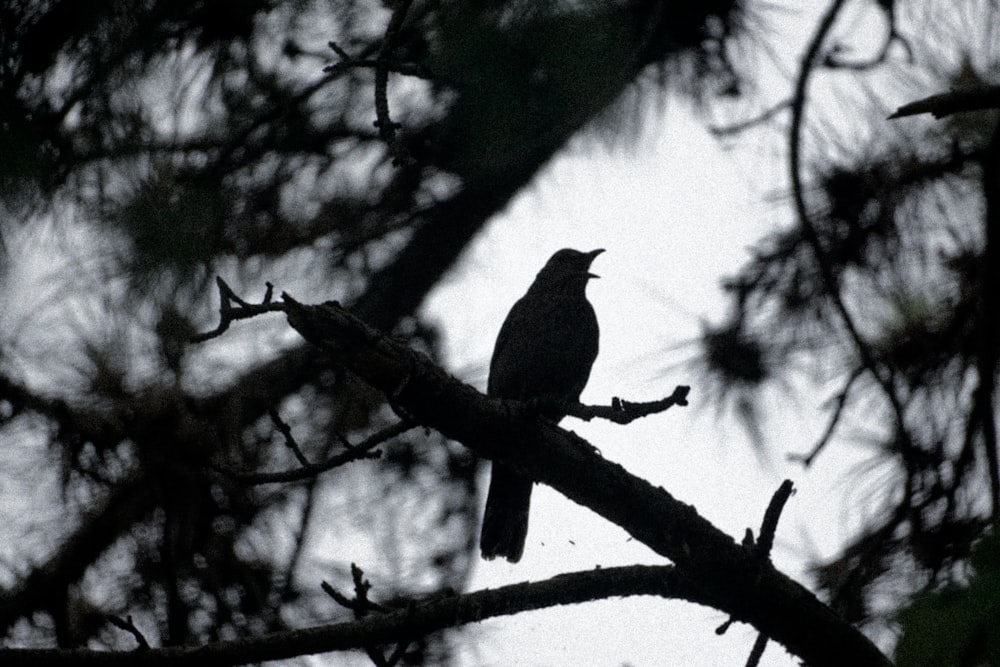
pixel 727 577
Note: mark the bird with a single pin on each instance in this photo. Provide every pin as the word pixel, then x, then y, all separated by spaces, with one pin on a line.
pixel 546 347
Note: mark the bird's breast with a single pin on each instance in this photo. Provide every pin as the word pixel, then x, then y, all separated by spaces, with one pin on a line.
pixel 546 347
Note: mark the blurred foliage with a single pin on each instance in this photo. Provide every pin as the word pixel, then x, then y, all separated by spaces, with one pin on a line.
pixel 956 626
pixel 878 284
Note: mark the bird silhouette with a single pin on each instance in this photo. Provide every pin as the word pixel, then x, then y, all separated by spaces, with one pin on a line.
pixel 546 347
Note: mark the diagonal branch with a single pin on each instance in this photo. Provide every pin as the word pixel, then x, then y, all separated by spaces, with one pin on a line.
pixel 727 577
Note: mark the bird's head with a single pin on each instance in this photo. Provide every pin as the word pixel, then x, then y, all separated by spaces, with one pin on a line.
pixel 569 266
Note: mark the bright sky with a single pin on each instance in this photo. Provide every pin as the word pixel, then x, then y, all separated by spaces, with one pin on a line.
pixel 675 214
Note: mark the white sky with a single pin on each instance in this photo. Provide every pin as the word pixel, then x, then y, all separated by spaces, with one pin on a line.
pixel 675 214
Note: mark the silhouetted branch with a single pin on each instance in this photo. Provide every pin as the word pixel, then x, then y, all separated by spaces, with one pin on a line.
pixel 761 552
pixel 835 59
pixel 353 453
pixel 744 125
pixel 726 574
pixel 830 281
pixel 620 411
pixel 952 102
pixel 840 403
pixel 769 525
pixel 286 432
pixel 348 62
pixel 386 127
pixel 418 619
pixel 127 625
pixel 757 652
pixel 241 311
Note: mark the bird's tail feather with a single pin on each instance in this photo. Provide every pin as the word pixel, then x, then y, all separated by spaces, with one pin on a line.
pixel 505 522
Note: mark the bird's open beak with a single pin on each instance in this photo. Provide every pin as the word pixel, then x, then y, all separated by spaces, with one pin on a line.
pixel 592 255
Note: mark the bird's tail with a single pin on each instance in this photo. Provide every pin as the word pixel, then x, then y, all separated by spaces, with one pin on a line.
pixel 505 522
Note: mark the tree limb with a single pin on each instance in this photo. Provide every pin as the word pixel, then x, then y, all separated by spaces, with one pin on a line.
pixel 952 102
pixel 726 575
pixel 416 620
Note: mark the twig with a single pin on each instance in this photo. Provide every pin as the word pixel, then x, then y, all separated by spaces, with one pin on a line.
pixel 308 470
pixel 386 127
pixel 347 61
pixel 290 442
pixel 127 625
pixel 760 551
pixel 757 652
pixel 620 411
pixel 241 311
pixel 769 526
pixel 834 60
pixel 344 56
pixel 841 402
pixel 742 126
pixel 361 606
pixel 954 101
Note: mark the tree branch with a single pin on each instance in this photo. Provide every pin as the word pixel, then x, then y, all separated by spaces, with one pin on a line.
pixel 727 576
pixel 830 279
pixel 952 102
pixel 242 310
pixel 357 452
pixel 619 412
pixel 416 620
pixel 386 127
